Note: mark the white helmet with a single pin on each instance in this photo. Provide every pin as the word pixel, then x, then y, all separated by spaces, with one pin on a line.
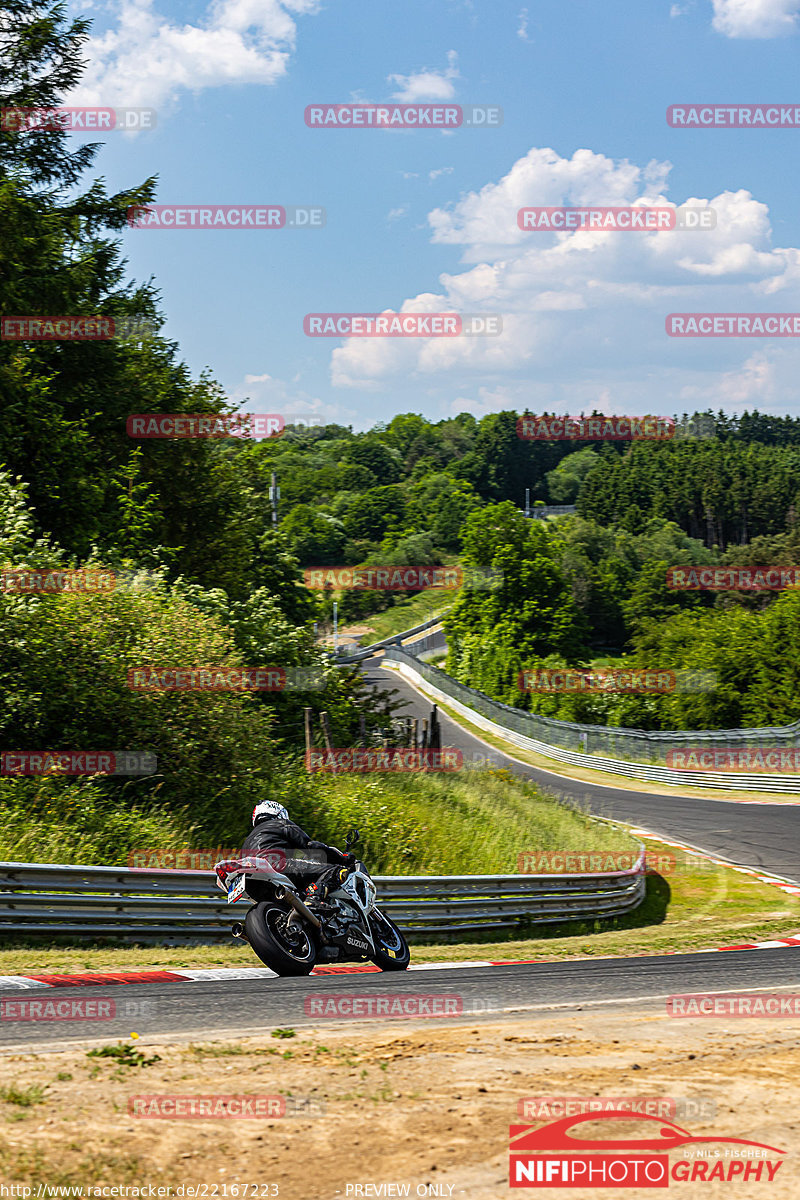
pixel 270 808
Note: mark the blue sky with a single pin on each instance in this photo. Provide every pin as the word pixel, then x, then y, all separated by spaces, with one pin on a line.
pixel 427 219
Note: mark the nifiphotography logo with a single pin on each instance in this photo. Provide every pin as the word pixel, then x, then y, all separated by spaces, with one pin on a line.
pixel 553 1156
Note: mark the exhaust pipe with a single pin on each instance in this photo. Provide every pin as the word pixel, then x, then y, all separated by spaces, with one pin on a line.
pixel 238 931
pixel 298 905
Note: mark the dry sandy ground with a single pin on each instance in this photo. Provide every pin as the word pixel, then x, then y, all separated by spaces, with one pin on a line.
pixel 417 1103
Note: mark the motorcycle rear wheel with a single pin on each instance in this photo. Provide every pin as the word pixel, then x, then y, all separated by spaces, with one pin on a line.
pixel 262 927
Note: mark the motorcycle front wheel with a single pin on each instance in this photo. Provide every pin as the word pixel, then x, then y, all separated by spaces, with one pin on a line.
pixel 391 948
pixel 286 951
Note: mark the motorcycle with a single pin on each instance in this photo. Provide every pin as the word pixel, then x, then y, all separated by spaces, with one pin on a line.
pixel 291 939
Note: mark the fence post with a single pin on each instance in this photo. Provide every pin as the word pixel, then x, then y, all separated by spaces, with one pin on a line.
pixel 309 735
pixel 435 740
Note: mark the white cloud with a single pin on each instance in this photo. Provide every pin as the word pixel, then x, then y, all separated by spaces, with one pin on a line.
pixel 427 84
pixel 440 171
pixel 265 394
pixel 145 60
pixel 753 385
pixel 522 28
pixel 395 213
pixel 484 221
pixel 756 18
pixel 679 10
pixel 584 311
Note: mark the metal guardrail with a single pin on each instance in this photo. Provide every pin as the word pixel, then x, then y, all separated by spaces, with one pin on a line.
pixel 396 639
pixel 151 906
pixel 570 743
pixel 426 647
pixel 551 510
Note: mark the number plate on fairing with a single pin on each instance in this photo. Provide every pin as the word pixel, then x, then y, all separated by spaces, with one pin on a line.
pixel 236 889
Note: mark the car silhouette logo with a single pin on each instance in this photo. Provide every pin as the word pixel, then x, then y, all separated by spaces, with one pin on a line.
pixel 556 1136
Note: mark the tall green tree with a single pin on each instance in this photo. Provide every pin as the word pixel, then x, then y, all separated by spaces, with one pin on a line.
pixel 516 607
pixel 65 403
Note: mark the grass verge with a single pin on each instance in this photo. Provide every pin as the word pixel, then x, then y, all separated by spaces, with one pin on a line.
pixel 423 822
pixel 405 615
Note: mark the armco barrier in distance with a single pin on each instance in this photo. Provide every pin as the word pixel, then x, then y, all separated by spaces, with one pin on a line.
pixel 635 753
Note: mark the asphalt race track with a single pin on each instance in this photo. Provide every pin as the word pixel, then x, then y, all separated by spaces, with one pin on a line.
pixel 765 836
pixel 239 1007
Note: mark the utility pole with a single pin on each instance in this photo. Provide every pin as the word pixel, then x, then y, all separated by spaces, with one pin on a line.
pixel 336 627
pixel 274 495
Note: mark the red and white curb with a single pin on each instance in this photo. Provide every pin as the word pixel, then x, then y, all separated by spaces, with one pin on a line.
pixel 201 975
pixel 13 983
pixel 778 881
pixel 225 974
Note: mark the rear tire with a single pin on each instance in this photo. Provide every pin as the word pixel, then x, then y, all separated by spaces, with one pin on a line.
pixel 263 931
pixel 392 952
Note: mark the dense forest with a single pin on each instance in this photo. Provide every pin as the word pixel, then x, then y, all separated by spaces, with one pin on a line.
pixel 206 577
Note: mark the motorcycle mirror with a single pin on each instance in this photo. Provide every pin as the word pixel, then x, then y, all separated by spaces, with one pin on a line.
pixel 353 836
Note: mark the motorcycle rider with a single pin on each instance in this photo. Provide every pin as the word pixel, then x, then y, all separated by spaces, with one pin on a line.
pixel 273 829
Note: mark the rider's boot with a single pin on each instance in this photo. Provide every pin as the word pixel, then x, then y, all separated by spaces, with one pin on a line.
pixel 317 892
